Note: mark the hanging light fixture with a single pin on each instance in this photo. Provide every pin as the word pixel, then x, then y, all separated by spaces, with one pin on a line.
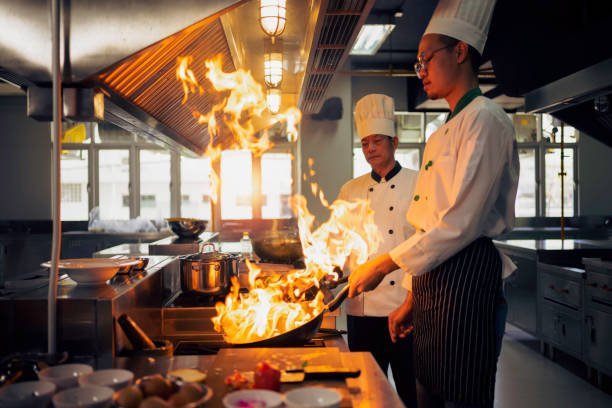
pixel 273 99
pixel 273 62
pixel 273 16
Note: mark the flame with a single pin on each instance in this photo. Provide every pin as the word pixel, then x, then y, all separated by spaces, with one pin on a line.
pixel 278 303
pixel 230 121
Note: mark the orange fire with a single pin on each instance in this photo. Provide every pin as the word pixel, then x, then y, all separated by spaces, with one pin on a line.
pixel 278 303
pixel 230 121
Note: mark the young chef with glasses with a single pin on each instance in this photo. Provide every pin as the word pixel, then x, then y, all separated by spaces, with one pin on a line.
pixel 386 189
pixel 464 197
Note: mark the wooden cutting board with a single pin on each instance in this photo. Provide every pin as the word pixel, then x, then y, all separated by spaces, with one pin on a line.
pixel 245 359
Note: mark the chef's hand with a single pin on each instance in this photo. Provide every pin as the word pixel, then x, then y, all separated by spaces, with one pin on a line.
pixel 367 276
pixel 400 320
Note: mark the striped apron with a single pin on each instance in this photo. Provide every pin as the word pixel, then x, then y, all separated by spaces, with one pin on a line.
pixel 454 325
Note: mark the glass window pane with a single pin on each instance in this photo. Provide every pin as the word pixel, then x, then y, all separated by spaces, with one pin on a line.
pixel 114 174
pixel 409 127
pixel 75 203
pixel 360 164
pixel 433 121
pixel 525 127
pixel 553 182
pixel 276 184
pixel 549 123
pixel 408 158
pixel 525 205
pixel 154 184
pixel 195 188
pixel 236 185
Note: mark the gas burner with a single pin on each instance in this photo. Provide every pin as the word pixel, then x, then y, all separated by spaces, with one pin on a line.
pixel 194 299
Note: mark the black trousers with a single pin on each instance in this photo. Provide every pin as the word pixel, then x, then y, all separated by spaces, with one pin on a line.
pixel 368 333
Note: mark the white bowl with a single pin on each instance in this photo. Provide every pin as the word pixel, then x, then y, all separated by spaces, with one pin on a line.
pixel 30 394
pixel 313 397
pixel 64 375
pixel 114 378
pixel 89 396
pixel 268 399
pixel 91 271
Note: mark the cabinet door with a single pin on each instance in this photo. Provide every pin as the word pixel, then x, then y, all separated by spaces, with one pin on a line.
pixel 561 327
pixel 522 293
pixel 598 339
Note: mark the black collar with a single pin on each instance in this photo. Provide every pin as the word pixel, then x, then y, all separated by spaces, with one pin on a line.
pixel 396 169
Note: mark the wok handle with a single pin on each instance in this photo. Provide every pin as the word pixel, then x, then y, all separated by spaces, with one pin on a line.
pixel 337 301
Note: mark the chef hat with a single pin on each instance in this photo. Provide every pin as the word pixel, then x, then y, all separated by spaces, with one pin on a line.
pixel 464 20
pixel 374 115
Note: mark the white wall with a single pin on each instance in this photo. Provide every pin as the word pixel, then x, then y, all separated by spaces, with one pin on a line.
pixel 25 163
pixel 329 144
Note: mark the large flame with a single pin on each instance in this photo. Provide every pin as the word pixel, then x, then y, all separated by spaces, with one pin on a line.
pixel 278 303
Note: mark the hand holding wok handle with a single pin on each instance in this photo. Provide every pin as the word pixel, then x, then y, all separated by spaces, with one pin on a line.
pixel 400 320
pixel 368 275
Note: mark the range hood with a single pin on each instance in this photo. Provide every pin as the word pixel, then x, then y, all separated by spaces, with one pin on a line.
pixel 120 58
pixel 556 54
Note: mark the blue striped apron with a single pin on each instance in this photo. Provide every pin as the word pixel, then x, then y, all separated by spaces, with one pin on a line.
pixel 454 325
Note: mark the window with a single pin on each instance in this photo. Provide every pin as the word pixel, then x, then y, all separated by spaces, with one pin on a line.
pixel 276 185
pixel 526 197
pixel 195 188
pixel 114 176
pixel 154 184
pixel 236 185
pixel 554 197
pixel 74 168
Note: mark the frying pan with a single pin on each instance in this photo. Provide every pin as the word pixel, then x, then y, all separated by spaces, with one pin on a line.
pixel 302 334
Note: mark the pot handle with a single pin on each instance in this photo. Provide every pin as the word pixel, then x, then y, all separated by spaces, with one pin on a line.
pixel 206 245
pixel 337 301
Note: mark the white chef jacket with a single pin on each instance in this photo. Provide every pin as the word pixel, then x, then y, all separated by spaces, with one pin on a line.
pixel 466 188
pixel 389 199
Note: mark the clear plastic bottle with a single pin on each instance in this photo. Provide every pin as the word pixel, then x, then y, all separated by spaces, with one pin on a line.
pixel 246 246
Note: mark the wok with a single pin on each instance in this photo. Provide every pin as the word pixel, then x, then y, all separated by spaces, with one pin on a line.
pixel 278 247
pixel 302 334
pixel 187 227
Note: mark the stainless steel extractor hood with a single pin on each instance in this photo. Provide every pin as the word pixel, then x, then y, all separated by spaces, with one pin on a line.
pixel 128 52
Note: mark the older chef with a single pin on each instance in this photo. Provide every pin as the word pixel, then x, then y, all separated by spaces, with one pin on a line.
pixel 388 189
pixel 464 196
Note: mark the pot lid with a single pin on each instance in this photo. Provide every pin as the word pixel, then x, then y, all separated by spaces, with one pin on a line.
pixel 209 256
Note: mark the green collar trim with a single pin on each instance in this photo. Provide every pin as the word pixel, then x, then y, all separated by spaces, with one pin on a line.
pixel 465 101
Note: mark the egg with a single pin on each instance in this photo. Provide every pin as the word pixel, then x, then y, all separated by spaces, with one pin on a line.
pixel 191 392
pixel 157 386
pixel 129 397
pixel 178 400
pixel 153 402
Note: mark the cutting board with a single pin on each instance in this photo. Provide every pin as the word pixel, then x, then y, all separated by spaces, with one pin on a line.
pixel 245 359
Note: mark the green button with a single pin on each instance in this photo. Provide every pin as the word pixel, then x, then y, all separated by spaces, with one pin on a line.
pixel 446 131
pixel 428 165
pixel 416 198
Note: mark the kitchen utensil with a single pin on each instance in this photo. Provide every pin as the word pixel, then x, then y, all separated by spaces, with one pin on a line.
pixel 92 271
pixel 253 398
pixel 31 394
pixel 176 384
pixel 64 375
pixel 138 338
pixel 302 334
pixel 90 396
pixel 278 246
pixel 313 397
pixel 114 378
pixel 208 273
pixel 187 227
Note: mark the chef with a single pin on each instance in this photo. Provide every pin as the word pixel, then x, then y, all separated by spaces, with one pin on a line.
pixel 388 189
pixel 464 196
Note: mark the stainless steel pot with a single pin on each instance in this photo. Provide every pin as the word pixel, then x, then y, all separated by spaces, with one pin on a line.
pixel 208 273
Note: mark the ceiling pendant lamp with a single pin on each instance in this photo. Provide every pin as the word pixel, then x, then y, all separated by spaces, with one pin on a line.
pixel 273 16
pixel 273 62
pixel 273 100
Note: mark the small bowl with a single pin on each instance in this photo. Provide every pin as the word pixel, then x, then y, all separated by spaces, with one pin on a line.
pixel 114 378
pixel 90 396
pixel 187 227
pixel 313 397
pixel 240 399
pixel 30 394
pixel 64 375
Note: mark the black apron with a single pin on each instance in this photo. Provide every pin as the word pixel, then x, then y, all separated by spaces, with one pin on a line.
pixel 454 325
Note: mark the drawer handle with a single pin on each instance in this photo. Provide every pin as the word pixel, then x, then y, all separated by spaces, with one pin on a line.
pixel 606 288
pixel 552 287
pixel 592 284
pixel 563 291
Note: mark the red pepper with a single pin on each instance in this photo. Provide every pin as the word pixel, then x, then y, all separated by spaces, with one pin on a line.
pixel 267 377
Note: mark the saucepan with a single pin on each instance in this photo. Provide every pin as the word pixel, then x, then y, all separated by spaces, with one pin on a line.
pixel 208 273
pixel 302 334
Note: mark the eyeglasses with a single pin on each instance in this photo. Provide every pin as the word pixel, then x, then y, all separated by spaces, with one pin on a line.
pixel 422 61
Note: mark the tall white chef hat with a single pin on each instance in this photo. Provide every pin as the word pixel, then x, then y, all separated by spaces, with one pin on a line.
pixel 374 115
pixel 464 20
